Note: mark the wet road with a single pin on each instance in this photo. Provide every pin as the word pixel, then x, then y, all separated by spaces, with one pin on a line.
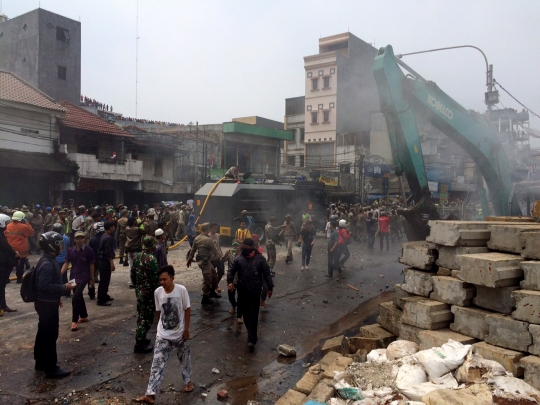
pixel 306 309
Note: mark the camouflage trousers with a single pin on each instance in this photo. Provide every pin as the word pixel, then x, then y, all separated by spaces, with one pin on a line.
pixel 271 250
pixel 209 276
pixel 146 308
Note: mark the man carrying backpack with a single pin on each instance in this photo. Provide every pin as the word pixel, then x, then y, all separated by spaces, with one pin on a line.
pixel 49 289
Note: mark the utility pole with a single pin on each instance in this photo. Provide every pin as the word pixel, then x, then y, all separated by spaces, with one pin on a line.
pixel 196 153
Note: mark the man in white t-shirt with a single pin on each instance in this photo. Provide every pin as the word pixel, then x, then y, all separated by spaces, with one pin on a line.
pixel 173 307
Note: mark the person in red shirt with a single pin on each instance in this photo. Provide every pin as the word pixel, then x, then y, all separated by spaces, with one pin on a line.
pixel 384 230
pixel 17 234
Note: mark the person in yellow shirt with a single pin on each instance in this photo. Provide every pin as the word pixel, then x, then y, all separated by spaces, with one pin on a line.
pixel 242 232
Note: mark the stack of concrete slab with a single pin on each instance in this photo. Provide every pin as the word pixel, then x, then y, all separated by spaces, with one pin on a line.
pixel 477 282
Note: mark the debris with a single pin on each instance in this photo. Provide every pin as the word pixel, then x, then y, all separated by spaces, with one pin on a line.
pixel 316 369
pixel 215 371
pixel 306 365
pixel 222 394
pixel 286 350
pixel 325 301
pixel 204 394
pixel 352 287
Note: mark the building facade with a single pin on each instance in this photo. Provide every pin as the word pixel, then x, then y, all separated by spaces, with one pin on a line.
pixel 44 49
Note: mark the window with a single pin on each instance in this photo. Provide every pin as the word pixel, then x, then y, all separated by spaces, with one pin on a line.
pixel 326 82
pixel 320 106
pixel 321 72
pixel 309 108
pixel 326 116
pixel 302 134
pixel 62 72
pixel 331 105
pixel 314 84
pixel 302 161
pixel 332 71
pixel 314 118
pixel 62 34
pixel 309 74
pixel 290 160
pixel 158 167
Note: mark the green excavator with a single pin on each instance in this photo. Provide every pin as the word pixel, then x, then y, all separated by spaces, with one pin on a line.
pixel 403 97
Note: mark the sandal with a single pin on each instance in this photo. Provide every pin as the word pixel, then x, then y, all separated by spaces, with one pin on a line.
pixel 232 311
pixel 218 290
pixel 143 400
pixel 263 304
pixel 74 327
pixel 188 388
pixel 239 321
pixel 83 320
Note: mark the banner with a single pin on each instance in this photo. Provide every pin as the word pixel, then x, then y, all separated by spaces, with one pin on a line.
pixel 329 181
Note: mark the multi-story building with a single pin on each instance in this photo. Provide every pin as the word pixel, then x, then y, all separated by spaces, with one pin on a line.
pixel 340 95
pixel 294 151
pixel 44 49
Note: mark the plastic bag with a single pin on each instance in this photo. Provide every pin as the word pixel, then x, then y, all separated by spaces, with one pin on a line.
pixel 409 375
pixel 345 391
pixel 377 356
pixel 439 361
pixel 401 348
pixel 416 392
pixel 475 368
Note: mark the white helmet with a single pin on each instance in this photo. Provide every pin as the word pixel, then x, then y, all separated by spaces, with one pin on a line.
pixel 4 220
pixel 342 223
pixel 18 216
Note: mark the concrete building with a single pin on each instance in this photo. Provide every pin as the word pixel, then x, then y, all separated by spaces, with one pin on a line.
pixel 33 171
pixel 340 95
pixel 294 151
pixel 44 49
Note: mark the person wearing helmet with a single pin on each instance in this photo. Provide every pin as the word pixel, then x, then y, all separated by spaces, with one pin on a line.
pixel 144 276
pixel 50 288
pixel 61 257
pixel 17 233
pixel 8 259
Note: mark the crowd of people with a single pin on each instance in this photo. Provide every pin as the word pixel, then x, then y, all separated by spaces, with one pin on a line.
pixel 91 102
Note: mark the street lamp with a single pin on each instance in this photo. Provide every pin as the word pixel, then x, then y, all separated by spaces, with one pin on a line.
pixel 491 97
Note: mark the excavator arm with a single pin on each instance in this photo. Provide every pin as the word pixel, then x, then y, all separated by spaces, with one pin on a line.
pixel 402 97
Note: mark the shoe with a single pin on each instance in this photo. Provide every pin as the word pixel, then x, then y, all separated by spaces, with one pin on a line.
pixel 307 268
pixel 121 261
pixel 131 285
pixel 109 298
pixel 1 312
pixel 141 347
pixel 74 327
pixel 214 294
pixel 251 346
pixel 232 311
pixel 58 373
pixel 8 309
pixel 239 321
pixel 263 304
pixel 19 281
pixel 126 264
pixel 104 304
pixel 273 273
pixel 302 268
pixel 206 300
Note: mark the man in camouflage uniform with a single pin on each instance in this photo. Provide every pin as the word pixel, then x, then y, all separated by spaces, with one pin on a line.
pixel 206 251
pixel 289 230
pixel 144 276
pixel 271 233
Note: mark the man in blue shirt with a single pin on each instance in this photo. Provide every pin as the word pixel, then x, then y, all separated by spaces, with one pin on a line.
pixel 61 257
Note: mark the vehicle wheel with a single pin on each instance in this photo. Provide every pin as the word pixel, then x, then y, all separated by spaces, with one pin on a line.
pixel 260 231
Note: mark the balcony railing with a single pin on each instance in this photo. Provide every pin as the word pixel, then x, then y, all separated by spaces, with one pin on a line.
pixel 106 168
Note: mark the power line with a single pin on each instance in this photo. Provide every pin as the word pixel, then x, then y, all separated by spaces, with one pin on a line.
pixel 519 102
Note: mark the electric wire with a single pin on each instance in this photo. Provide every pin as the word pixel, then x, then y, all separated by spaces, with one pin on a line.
pixel 519 102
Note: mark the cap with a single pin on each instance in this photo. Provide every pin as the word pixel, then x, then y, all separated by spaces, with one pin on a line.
pixel 244 212
pixel 236 244
pixel 24 208
pixel 79 233
pixel 110 210
pixel 159 232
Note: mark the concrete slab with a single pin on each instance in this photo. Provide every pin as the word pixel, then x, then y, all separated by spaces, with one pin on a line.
pixel 531 366
pixel 291 397
pixel 532 245
pixel 509 238
pixel 531 272
pixel 449 256
pixel 409 332
pixel 417 282
pixel 306 384
pixel 389 316
pixel 470 321
pixel 443 271
pixel 378 332
pixel 527 306
pixel 535 333
pixel 452 291
pixel 339 364
pixel 322 392
pixel 456 273
pixel 458 233
pixel 336 344
pixel 496 299
pixel 507 332
pixel 509 359
pixel 328 359
pixel 420 255
pixel 491 269
pixel 426 314
pixel 436 338
pixel 400 293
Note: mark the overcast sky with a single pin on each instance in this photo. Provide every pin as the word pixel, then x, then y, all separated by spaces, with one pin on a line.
pixel 210 61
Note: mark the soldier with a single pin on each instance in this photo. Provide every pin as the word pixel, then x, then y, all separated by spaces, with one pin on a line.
pixel 144 276
pixel 48 220
pixel 181 229
pixel 206 251
pixel 289 230
pixel 121 233
pixel 271 233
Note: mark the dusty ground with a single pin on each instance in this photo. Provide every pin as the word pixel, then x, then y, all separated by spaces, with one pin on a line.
pixel 306 309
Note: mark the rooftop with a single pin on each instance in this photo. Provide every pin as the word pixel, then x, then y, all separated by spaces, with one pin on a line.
pixel 15 89
pixel 78 118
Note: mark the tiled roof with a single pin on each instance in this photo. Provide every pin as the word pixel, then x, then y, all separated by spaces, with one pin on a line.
pixel 13 88
pixel 79 118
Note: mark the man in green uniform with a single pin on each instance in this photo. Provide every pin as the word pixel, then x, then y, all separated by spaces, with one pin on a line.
pixel 271 233
pixel 144 276
pixel 206 251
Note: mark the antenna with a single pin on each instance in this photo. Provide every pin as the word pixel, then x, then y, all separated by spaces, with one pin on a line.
pixel 136 59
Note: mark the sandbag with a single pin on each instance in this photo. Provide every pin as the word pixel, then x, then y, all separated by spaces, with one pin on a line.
pixel 416 392
pixel 476 394
pixel 474 368
pixel 377 356
pixel 401 348
pixel 439 361
pixel 409 375
pixel 514 386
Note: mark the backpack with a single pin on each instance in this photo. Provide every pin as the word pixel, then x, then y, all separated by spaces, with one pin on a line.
pixel 28 286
